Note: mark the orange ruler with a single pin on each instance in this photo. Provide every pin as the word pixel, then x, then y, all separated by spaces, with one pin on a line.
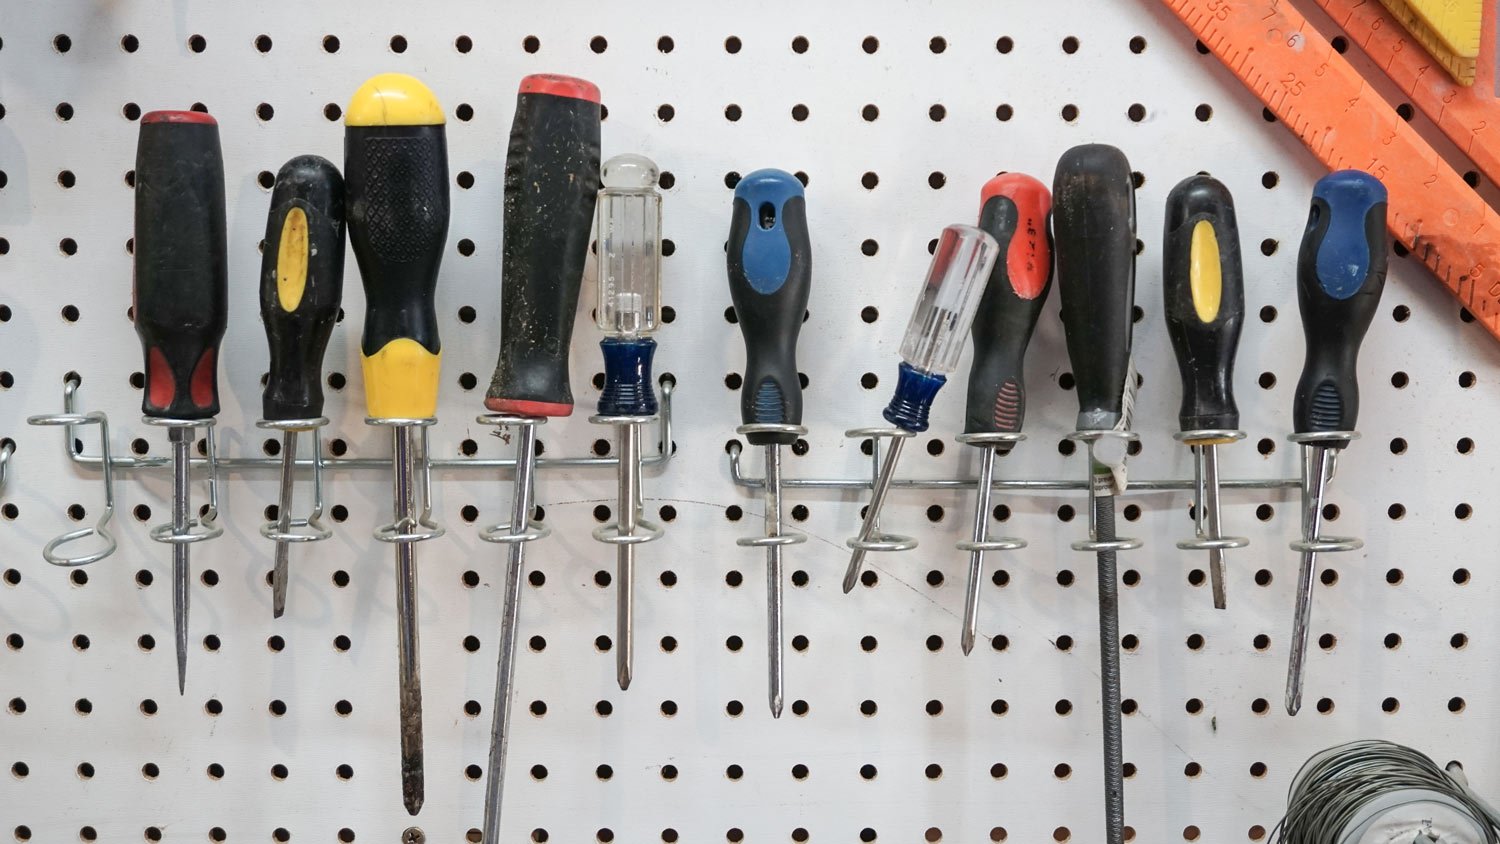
pixel 1314 90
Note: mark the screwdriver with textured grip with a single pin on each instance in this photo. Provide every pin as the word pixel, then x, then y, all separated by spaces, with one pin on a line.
pixel 1013 210
pixel 181 307
pixel 396 180
pixel 1340 276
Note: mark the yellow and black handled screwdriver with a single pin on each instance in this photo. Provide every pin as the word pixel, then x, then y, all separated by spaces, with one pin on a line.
pixel 181 306
pixel 396 179
pixel 301 285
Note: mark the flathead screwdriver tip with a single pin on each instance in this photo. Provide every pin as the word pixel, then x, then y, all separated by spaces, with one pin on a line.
pixel 412 788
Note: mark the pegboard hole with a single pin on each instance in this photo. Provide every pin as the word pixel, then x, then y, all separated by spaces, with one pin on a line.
pixel 1390 705
pixel 197 43
pixel 398 43
pixel 870 112
pixel 1392 641
pixel 1004 111
pixel 1070 112
pixel 1401 313
pixel 1398 445
pixel 1137 45
pixel 464 43
pixel 531 43
pixel 1458 641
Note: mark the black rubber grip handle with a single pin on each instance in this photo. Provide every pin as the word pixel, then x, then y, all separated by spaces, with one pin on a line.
pixel 1014 212
pixel 769 260
pixel 181 262
pixel 301 283
pixel 551 183
pixel 1203 286
pixel 1093 228
pixel 1340 276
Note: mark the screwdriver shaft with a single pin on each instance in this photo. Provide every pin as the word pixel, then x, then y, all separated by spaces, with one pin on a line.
pixel 1109 671
pixel 1208 454
pixel 872 513
pixel 976 557
pixel 182 441
pixel 509 619
pixel 283 521
pixel 1315 465
pixel 774 647
pixel 630 480
pixel 409 652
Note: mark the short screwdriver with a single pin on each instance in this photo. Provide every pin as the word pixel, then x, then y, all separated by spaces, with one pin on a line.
pixel 769 261
pixel 1203 287
pixel 941 318
pixel 1340 276
pixel 1013 209
pixel 301 285
pixel 181 307
pixel 396 171
pixel 551 187
pixel 1093 227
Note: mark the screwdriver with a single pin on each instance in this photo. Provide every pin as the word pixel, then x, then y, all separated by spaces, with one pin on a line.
pixel 181 307
pixel 1340 275
pixel 1204 291
pixel 1013 210
pixel 628 271
pixel 1093 227
pixel 396 171
pixel 301 284
pixel 551 186
pixel 943 314
pixel 769 259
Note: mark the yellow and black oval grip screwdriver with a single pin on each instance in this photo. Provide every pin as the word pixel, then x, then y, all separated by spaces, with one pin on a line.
pixel 1204 290
pixel 301 285
pixel 181 297
pixel 551 186
pixel 396 180
pixel 1340 276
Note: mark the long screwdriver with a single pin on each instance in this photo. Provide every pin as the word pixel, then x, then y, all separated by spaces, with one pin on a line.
pixel 769 260
pixel 1013 210
pixel 181 307
pixel 1093 226
pixel 301 285
pixel 1340 276
pixel 396 171
pixel 551 186
pixel 1203 287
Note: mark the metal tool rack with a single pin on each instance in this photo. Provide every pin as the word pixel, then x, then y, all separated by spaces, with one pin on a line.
pixel 288 729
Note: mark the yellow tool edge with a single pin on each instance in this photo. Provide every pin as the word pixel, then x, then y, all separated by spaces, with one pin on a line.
pixel 1463 70
pixel 291 260
pixel 394 99
pixel 1205 276
pixel 1457 23
pixel 401 380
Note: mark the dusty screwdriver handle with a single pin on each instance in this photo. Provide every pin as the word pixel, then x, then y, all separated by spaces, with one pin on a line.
pixel 1014 211
pixel 1340 275
pixel 396 181
pixel 301 283
pixel 551 184
pixel 1093 229
pixel 770 271
pixel 1203 285
pixel 181 289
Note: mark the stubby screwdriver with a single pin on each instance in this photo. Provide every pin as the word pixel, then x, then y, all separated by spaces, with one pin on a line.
pixel 396 167
pixel 934 340
pixel 770 274
pixel 551 186
pixel 1340 276
pixel 301 285
pixel 181 307
pixel 1093 227
pixel 1203 287
pixel 1013 209
pixel 628 228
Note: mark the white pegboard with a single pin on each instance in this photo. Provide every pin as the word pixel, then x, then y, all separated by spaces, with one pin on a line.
pixel 1009 751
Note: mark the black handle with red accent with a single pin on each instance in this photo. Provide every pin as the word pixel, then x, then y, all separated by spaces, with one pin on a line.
pixel 1014 212
pixel 181 262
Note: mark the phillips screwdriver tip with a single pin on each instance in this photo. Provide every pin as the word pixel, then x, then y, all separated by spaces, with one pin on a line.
pixel 967 641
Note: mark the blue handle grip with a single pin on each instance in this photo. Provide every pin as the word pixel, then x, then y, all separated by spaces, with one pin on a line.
pixel 766 254
pixel 1343 258
pixel 627 377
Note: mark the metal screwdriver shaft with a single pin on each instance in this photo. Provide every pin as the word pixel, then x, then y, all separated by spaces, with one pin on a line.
pixel 1340 276
pixel 182 456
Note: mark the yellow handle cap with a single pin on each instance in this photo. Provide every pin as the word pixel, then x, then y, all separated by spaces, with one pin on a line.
pixel 394 99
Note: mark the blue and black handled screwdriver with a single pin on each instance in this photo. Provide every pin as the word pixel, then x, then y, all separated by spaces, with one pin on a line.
pixel 1340 276
pixel 770 270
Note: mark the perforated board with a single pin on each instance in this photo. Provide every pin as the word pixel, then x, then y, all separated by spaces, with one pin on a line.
pixel 1003 745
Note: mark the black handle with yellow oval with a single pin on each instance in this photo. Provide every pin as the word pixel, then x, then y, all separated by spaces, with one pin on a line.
pixel 301 283
pixel 1204 291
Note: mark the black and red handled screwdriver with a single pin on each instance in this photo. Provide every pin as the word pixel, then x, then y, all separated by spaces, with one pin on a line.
pixel 1013 210
pixel 181 306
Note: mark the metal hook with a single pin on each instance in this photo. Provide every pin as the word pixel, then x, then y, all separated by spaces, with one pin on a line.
pixel 508 533
pixel 409 526
pixel 100 528
pixel 204 527
pixel 1205 505
pixel 311 528
pixel 1313 540
pixel 1101 484
pixel 7 448
pixel 875 539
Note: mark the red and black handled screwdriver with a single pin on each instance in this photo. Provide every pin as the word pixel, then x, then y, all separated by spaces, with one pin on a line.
pixel 551 185
pixel 1203 286
pixel 1013 209
pixel 301 285
pixel 181 307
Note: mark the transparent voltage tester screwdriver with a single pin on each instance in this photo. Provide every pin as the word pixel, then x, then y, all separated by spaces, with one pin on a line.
pixel 628 231
pixel 934 339
pixel 1340 276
